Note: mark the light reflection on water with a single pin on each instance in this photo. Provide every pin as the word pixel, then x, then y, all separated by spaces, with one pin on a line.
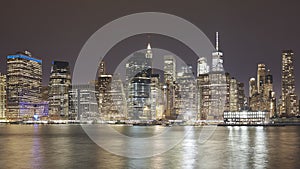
pixel 67 146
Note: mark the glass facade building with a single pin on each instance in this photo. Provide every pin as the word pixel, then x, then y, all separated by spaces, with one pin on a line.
pixel 59 86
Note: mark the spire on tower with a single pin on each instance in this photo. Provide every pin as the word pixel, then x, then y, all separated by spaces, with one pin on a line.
pixel 217 41
pixel 148 47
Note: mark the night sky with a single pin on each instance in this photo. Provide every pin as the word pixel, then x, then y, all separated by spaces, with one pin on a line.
pixel 251 32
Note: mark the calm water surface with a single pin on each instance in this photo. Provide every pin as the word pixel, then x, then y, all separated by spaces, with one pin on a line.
pixel 68 146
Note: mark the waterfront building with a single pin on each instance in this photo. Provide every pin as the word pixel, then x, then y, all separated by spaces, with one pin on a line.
pixel 213 88
pixel 186 94
pixel 59 86
pixel 24 82
pixel 138 84
pixel 2 96
pixel 247 117
pixel 83 102
pixel 262 96
pixel 290 104
pixel 104 86
pixel 169 86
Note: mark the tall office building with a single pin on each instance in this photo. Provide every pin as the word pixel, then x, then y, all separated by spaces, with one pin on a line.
pixel 59 86
pixel 169 87
pixel 169 69
pixel 217 57
pixel 24 83
pixel 104 87
pixel 186 94
pixel 83 102
pixel 203 67
pixel 219 85
pixel 213 87
pixel 2 95
pixel 261 75
pixel 289 98
pixel 138 84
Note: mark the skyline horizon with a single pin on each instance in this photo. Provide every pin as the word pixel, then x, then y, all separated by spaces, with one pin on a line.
pixel 45 82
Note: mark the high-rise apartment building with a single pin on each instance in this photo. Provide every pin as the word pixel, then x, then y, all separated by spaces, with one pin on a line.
pixel 24 83
pixel 290 105
pixel 261 94
pixel 59 86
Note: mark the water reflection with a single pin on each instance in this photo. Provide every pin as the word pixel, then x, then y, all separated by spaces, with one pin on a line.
pixel 67 146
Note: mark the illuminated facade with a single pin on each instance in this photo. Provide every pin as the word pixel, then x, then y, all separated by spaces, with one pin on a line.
pixel 245 117
pixel 2 95
pixel 24 83
pixel 203 67
pixel 83 102
pixel 169 86
pixel 104 86
pixel 59 86
pixel 262 96
pixel 138 84
pixel 186 94
pixel 290 104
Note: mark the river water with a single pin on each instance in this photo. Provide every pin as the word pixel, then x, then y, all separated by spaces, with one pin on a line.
pixel 68 146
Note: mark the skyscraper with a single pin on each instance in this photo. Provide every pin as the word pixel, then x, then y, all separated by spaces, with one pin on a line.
pixel 289 98
pixel 261 94
pixel 2 95
pixel 138 84
pixel 186 94
pixel 83 102
pixel 261 75
pixel 59 86
pixel 203 67
pixel 252 87
pixel 169 69
pixel 169 87
pixel 217 57
pixel 24 82
pixel 213 87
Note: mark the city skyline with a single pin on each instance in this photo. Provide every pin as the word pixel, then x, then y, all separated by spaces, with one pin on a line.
pixel 260 36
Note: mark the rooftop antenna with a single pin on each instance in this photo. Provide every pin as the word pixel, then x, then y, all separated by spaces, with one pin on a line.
pixel 217 41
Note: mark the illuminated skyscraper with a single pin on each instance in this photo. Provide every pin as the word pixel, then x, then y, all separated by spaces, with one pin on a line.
pixel 261 75
pixel 217 57
pixel 83 102
pixel 186 94
pixel 261 94
pixel 169 88
pixel 213 87
pixel 138 83
pixel 59 86
pixel 252 87
pixel 169 69
pixel 24 83
pixel 289 98
pixel 104 86
pixel 2 95
pixel 203 67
